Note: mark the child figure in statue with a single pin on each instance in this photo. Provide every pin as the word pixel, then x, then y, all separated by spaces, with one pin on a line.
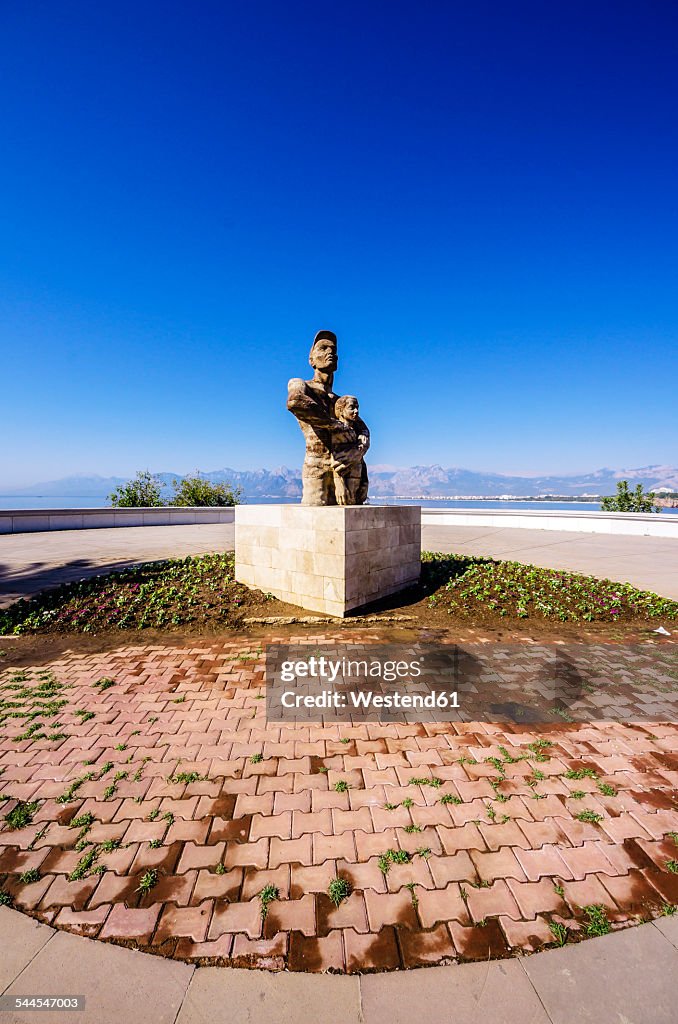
pixel 350 441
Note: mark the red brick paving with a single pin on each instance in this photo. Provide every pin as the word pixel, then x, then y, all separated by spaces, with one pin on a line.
pixel 485 876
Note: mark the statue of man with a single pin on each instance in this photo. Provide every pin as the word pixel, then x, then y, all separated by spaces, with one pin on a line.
pixel 312 402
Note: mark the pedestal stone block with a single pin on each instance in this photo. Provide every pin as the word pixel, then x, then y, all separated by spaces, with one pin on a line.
pixel 328 559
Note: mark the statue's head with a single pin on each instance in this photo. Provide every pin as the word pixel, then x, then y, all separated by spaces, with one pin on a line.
pixel 346 408
pixel 323 354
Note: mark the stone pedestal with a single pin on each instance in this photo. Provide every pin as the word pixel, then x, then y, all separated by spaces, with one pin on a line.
pixel 328 559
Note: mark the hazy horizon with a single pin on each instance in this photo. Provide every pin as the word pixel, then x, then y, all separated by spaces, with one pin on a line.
pixel 10 489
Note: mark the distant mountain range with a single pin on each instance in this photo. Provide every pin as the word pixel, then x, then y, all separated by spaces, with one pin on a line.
pixel 386 481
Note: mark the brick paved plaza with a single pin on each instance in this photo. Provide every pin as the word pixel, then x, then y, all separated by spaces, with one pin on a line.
pixel 169 772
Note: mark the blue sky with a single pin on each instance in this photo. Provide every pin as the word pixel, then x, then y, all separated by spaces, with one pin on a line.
pixel 480 199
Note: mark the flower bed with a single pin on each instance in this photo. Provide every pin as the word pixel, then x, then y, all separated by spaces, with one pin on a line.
pixel 155 595
pixel 202 592
pixel 466 585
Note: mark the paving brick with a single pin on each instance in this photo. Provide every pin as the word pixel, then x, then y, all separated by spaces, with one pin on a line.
pixel 194 856
pixel 363 876
pixel 217 949
pixel 30 896
pixel 247 854
pixel 423 948
pixel 373 844
pixel 310 879
pixel 322 800
pixel 626 826
pixel 278 825
pixel 529 935
pixel 185 831
pixel 325 953
pixel 383 819
pixel 503 834
pixel 349 913
pixel 136 832
pixel 333 847
pixel 176 888
pixel 458 868
pixel 587 859
pixel 537 898
pixel 541 833
pixel 441 905
pixel 254 881
pixel 190 922
pixel 318 821
pixel 290 851
pixel 365 952
pixel 236 917
pixel 578 832
pixel 465 837
pixel 390 909
pixel 500 864
pixel 291 915
pixel 63 893
pixel 266 953
pixel 83 922
pixel 290 802
pixel 492 901
pixel 587 892
pixel 427 839
pixel 634 895
pixel 546 861
pixel 372 798
pixel 352 821
pixel 416 872
pixel 478 942
pixel 125 923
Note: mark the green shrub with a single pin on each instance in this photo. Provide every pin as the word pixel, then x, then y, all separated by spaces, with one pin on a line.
pixel 197 491
pixel 629 501
pixel 142 492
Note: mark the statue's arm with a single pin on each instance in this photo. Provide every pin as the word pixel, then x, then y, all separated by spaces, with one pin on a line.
pixel 305 406
pixel 362 430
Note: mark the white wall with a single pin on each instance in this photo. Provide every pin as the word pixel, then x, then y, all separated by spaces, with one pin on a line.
pixel 633 523
pixel 643 524
pixel 38 520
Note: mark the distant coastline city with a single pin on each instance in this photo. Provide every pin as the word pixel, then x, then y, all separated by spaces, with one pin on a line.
pixel 429 486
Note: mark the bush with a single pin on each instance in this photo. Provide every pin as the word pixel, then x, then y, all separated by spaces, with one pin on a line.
pixel 629 501
pixel 141 492
pixel 196 490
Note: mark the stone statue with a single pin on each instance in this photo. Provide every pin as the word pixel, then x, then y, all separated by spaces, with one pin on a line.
pixel 348 448
pixel 334 470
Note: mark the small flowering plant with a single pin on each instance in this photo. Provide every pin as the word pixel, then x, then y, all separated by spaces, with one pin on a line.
pixel 157 595
pixel 527 591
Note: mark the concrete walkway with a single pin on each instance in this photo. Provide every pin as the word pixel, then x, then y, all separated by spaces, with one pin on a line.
pixel 30 562
pixel 629 976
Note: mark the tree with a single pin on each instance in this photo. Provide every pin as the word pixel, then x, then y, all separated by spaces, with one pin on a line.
pixel 629 501
pixel 142 492
pixel 196 490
